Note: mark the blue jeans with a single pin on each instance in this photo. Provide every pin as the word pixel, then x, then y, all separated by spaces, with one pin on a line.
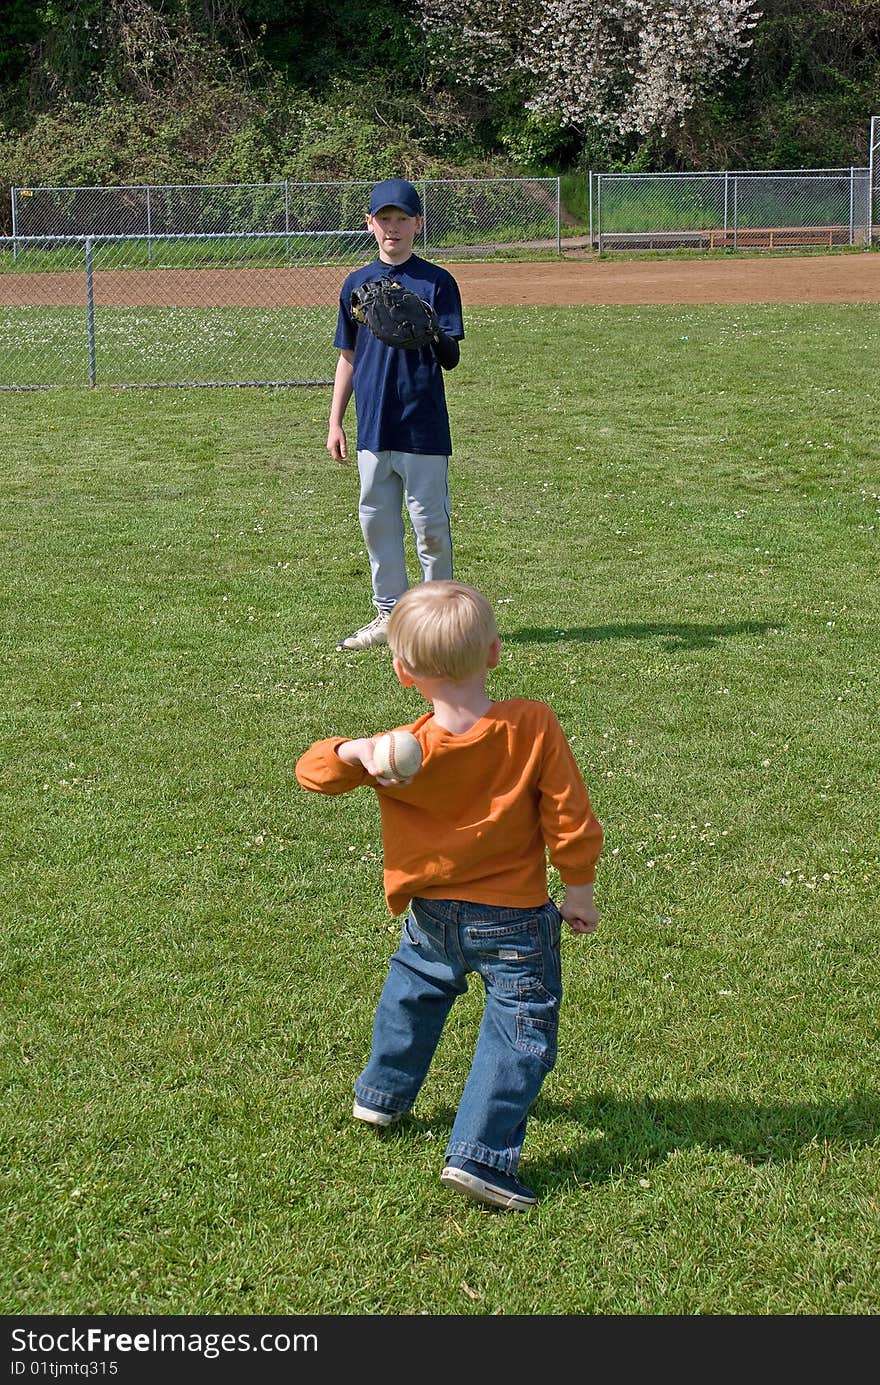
pixel 517 954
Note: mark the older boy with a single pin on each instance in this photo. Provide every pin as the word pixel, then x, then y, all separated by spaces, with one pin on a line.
pixel 403 435
pixel 465 844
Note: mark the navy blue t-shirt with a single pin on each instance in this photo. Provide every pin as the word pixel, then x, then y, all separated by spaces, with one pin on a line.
pixel 399 396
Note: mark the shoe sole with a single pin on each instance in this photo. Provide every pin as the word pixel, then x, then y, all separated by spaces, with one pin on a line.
pixel 378 1118
pixel 354 644
pixel 487 1193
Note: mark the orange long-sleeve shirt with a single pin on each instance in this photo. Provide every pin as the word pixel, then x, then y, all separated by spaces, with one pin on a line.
pixel 479 819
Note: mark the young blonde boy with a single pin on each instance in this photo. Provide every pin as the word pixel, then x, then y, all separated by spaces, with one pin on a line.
pixel 465 845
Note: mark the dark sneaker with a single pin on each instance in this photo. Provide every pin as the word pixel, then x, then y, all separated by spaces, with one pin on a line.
pixel 489 1186
pixel 368 636
pixel 371 1116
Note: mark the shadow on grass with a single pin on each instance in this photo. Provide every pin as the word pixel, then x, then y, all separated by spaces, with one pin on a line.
pixel 630 1135
pixel 676 637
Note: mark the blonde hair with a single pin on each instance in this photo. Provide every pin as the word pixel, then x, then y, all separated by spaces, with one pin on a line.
pixel 442 630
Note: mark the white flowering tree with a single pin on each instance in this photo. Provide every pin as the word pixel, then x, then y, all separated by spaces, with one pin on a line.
pixel 626 66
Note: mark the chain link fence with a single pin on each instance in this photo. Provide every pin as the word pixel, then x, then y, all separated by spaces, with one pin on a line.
pixel 216 285
pixel 731 210
pixel 237 284
pixel 460 214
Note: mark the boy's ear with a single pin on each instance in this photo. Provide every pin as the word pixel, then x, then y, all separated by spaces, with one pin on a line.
pixel 494 653
pixel 404 677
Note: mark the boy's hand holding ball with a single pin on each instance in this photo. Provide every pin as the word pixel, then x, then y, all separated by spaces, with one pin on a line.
pixel 397 755
pixel 392 758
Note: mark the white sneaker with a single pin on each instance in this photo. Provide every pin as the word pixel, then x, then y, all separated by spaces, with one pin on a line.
pixel 371 1116
pixel 368 635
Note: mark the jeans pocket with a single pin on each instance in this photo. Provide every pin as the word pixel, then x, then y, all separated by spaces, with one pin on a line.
pixel 430 912
pixel 555 922
pixel 423 929
pixel 412 934
pixel 514 964
pixel 553 951
pixel 537 1029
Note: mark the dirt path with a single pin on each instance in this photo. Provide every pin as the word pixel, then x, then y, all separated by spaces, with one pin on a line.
pixel 841 278
pixel 850 278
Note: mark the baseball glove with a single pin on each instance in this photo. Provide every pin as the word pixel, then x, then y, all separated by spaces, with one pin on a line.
pixel 394 314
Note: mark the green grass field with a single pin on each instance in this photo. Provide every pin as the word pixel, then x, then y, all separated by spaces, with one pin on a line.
pixel 49 347
pixel 676 513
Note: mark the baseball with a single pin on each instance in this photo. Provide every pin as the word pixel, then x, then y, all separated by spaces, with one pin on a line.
pixel 398 755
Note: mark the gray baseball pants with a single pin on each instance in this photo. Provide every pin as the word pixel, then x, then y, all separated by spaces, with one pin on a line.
pixel 390 480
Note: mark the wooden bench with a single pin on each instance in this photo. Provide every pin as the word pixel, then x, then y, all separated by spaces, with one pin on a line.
pixel 771 237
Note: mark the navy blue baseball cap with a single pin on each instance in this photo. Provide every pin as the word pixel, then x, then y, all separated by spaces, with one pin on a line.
pixel 396 192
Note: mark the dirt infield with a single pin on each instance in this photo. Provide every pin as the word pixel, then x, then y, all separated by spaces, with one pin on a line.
pixel 801 279
pixel 840 278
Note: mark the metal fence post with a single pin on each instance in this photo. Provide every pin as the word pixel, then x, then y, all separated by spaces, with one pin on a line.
pixel 872 148
pixel 149 227
pixel 12 192
pixel 599 212
pixel 735 211
pixel 852 205
pixel 559 216
pixel 90 312
pixel 726 182
pixel 287 218
pixel 424 216
pixel 590 202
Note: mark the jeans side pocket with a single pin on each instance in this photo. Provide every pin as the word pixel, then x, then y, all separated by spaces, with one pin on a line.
pixel 537 1036
pixel 553 952
pixel 422 930
pixel 412 933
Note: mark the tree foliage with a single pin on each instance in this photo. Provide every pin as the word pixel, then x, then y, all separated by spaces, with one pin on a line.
pixel 626 66
pixel 804 99
pixel 111 91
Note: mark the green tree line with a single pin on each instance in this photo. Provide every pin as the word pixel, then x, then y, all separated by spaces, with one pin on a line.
pixel 166 91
